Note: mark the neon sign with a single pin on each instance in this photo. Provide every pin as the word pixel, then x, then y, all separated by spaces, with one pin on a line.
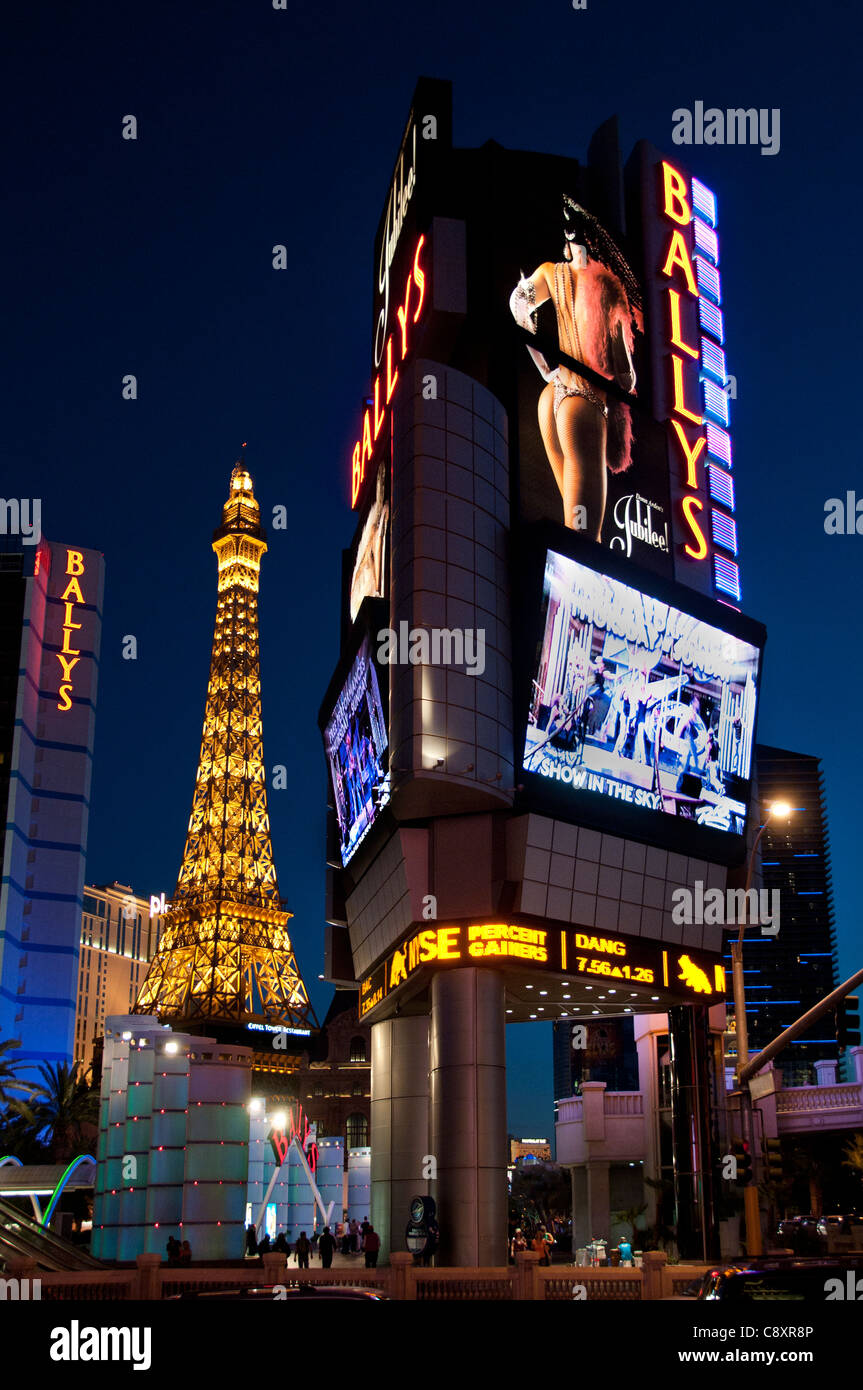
pixel 408 312
pixel 69 656
pixel 695 280
pixel 296 1128
pixel 519 946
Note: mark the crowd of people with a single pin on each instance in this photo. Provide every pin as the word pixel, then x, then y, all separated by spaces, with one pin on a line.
pixel 537 1238
pixel 350 1238
pixel 542 1240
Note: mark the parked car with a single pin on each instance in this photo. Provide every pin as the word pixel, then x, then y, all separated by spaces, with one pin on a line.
pixel 840 1225
pixel 777 1278
pixel 801 1235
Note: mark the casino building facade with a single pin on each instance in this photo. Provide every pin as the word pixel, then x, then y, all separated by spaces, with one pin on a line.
pixel 542 717
pixel 51 632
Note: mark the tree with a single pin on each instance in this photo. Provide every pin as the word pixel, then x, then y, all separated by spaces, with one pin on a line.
pixel 64 1106
pixel 631 1215
pixel 541 1193
pixel 9 1080
pixel 853 1152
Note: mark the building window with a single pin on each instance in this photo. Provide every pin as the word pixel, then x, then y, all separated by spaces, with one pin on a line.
pixel 319 1090
pixel 358 1050
pixel 359 1088
pixel 357 1131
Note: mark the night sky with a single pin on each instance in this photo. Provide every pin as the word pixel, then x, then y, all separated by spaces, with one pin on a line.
pixel 259 126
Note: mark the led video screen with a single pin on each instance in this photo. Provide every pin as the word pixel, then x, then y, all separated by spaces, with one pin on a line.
pixel 636 701
pixel 355 740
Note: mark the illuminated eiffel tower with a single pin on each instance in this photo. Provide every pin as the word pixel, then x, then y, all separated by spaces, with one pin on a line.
pixel 225 956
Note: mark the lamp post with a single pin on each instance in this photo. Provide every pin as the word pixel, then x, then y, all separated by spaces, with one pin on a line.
pixel 780 810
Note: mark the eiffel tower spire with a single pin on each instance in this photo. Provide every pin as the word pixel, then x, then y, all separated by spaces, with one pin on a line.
pixel 225 955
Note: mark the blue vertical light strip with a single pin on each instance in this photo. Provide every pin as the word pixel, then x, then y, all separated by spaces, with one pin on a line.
pixel 714 388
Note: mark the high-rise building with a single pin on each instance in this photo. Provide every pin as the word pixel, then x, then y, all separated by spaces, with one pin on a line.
pixel 599 1050
pixel 225 960
pixel 539 727
pixel 50 630
pixel 787 973
pixel 119 938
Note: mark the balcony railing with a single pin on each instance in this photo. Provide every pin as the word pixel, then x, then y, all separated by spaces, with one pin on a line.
pixel 802 1100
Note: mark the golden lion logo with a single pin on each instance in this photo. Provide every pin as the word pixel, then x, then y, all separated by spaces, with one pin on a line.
pixel 693 976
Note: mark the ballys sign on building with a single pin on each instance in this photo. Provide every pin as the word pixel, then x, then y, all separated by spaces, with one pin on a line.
pixel 401 264
pixel 398 345
pixel 69 655
pixel 691 383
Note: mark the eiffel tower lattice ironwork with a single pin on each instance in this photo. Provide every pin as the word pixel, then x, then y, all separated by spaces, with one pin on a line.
pixel 225 955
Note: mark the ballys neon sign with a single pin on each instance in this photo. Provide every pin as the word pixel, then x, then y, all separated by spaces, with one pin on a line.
pixel 299 1129
pixel 69 656
pixel 400 195
pixel 678 262
pixel 408 312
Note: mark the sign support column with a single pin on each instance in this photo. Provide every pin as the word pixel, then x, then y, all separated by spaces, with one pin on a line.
pixel 467 1132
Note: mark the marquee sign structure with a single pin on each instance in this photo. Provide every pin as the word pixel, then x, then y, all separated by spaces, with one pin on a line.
pixel 681 974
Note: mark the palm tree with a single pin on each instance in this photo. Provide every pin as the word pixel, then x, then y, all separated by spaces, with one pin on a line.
pixel 631 1215
pixel 9 1081
pixel 63 1106
pixel 853 1152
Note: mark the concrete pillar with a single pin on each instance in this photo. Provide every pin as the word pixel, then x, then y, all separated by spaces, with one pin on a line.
pixel 467 1112
pixel 399 1125
pixel 599 1199
pixel 148 1280
pixel 580 1210
pixel 825 1072
pixel 856 1054
pixel 402 1286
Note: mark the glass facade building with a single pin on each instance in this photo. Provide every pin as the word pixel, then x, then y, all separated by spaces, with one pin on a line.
pixel 788 973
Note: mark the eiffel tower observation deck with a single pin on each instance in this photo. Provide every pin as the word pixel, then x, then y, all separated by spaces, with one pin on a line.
pixel 225 959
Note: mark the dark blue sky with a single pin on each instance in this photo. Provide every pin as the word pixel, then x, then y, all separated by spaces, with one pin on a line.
pixel 260 126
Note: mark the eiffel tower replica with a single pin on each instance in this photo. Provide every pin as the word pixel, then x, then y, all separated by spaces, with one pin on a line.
pixel 225 958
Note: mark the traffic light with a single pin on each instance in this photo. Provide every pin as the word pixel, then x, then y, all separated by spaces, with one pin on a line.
pixel 743 1159
pixel 848 1021
pixel 773 1160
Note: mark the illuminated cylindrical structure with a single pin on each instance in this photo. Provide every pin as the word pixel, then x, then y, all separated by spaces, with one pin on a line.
pixel 136 1150
pixel 217 1150
pixel 171 1075
pixel 467 1114
pixel 121 1138
pixel 399 1123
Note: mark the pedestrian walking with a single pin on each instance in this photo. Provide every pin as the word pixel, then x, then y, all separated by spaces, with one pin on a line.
pixel 326 1246
pixel 371 1245
pixel 302 1250
pixel 518 1243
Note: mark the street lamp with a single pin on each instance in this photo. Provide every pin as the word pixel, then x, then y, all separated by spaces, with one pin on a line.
pixel 778 810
